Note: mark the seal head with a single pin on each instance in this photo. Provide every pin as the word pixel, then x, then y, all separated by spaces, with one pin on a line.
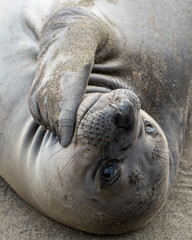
pixel 122 165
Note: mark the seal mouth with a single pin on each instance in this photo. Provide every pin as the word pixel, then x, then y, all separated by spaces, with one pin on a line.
pixel 138 137
pixel 88 102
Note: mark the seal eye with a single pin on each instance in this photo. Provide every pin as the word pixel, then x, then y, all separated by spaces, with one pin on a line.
pixel 110 173
pixel 150 129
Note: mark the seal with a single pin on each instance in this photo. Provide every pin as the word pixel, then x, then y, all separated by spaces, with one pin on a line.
pixel 94 107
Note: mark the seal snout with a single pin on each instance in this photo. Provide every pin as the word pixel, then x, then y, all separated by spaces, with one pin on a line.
pixel 124 117
pixel 113 119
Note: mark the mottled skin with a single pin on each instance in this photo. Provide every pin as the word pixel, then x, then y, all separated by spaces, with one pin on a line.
pixel 94 76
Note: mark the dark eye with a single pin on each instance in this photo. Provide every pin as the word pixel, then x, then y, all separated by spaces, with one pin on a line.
pixel 150 129
pixel 110 173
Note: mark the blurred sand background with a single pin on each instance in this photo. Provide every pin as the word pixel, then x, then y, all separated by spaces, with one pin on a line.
pixel 19 221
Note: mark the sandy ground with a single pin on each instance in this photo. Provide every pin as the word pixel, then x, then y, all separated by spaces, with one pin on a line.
pixel 19 221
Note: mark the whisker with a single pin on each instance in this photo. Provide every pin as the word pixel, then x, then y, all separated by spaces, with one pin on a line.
pixel 161 151
pixel 164 159
pixel 144 187
pixel 76 153
pixel 49 146
pixel 55 153
pixel 75 136
pixel 78 139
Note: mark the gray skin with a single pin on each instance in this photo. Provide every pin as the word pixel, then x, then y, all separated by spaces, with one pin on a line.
pixel 94 76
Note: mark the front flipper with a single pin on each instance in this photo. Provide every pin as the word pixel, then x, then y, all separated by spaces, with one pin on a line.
pixel 71 41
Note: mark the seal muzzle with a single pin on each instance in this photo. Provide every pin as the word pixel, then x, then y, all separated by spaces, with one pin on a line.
pixel 114 117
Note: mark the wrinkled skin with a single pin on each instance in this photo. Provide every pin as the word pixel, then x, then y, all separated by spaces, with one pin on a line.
pixel 107 85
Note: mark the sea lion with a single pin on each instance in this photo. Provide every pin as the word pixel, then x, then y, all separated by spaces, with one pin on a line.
pixel 107 84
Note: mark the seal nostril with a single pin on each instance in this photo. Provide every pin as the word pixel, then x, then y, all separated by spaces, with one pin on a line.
pixel 118 116
pixel 124 117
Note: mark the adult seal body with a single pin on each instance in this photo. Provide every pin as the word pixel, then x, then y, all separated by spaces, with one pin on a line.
pixel 94 107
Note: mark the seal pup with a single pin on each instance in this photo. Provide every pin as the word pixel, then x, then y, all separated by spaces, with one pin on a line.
pixel 92 157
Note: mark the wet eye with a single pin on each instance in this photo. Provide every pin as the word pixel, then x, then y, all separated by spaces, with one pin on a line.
pixel 150 129
pixel 110 173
